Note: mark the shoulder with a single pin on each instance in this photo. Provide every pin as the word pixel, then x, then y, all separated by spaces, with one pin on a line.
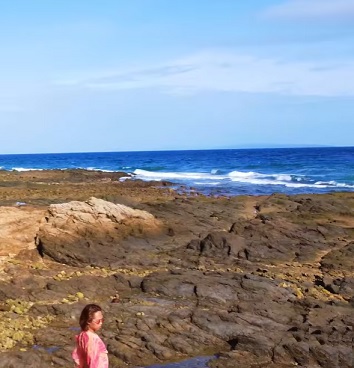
pixel 100 343
pixel 92 336
pixel 82 338
pixel 82 334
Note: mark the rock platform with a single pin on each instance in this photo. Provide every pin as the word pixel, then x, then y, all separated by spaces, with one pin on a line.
pixel 253 281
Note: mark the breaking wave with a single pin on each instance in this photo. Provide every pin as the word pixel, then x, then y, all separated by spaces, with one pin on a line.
pixel 21 169
pixel 254 178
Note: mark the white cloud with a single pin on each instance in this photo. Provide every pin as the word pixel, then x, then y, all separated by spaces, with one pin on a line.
pixel 313 9
pixel 228 71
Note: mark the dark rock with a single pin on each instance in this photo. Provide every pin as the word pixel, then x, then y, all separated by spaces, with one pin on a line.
pixel 339 259
pixel 219 244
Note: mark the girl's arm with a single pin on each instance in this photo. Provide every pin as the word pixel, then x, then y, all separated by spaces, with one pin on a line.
pixel 75 354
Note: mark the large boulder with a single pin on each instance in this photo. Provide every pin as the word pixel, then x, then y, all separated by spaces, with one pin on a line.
pixel 94 232
pixel 18 227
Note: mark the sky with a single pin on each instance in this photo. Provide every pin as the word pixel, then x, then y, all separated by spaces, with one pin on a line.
pixel 140 75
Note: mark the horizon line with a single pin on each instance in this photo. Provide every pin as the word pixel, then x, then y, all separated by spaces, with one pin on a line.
pixel 254 147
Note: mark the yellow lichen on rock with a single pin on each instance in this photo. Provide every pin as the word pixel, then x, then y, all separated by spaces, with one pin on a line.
pixel 18 329
pixel 70 299
pixel 18 306
pixel 80 295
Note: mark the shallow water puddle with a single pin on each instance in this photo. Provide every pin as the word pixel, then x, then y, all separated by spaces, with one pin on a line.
pixel 48 349
pixel 197 362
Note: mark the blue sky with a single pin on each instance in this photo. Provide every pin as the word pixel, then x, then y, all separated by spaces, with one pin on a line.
pixel 119 75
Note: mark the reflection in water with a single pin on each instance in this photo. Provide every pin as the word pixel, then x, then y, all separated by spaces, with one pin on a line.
pixel 48 349
pixel 198 362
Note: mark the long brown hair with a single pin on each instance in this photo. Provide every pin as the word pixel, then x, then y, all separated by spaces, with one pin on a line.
pixel 87 315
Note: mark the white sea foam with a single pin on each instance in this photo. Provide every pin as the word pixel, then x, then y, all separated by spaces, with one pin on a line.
pixel 240 175
pixel 333 183
pixel 205 183
pixel 255 178
pixel 284 177
pixel 296 185
pixel 95 169
pixel 124 178
pixel 246 175
pixel 149 175
pixel 274 179
pixel 20 169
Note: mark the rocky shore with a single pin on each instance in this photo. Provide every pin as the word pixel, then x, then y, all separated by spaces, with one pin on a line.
pixel 253 281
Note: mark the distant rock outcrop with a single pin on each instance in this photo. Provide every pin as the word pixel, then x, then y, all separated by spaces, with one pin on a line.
pixel 91 232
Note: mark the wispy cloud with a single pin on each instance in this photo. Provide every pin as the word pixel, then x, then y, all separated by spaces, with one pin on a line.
pixel 313 9
pixel 225 71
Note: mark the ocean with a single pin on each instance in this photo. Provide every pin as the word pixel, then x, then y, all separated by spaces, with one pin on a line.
pixel 214 172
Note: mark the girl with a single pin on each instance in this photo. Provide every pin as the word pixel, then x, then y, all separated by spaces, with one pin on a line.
pixel 90 351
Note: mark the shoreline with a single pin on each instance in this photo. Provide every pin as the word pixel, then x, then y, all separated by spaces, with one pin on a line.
pixel 229 173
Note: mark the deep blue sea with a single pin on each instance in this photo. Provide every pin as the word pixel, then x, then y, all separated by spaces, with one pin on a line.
pixel 215 172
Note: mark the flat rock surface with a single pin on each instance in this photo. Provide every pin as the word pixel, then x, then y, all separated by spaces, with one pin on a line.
pixel 254 281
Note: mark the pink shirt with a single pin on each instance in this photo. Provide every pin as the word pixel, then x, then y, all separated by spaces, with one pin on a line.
pixel 90 351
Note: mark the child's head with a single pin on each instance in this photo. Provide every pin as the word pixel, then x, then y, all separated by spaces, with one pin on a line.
pixel 91 317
